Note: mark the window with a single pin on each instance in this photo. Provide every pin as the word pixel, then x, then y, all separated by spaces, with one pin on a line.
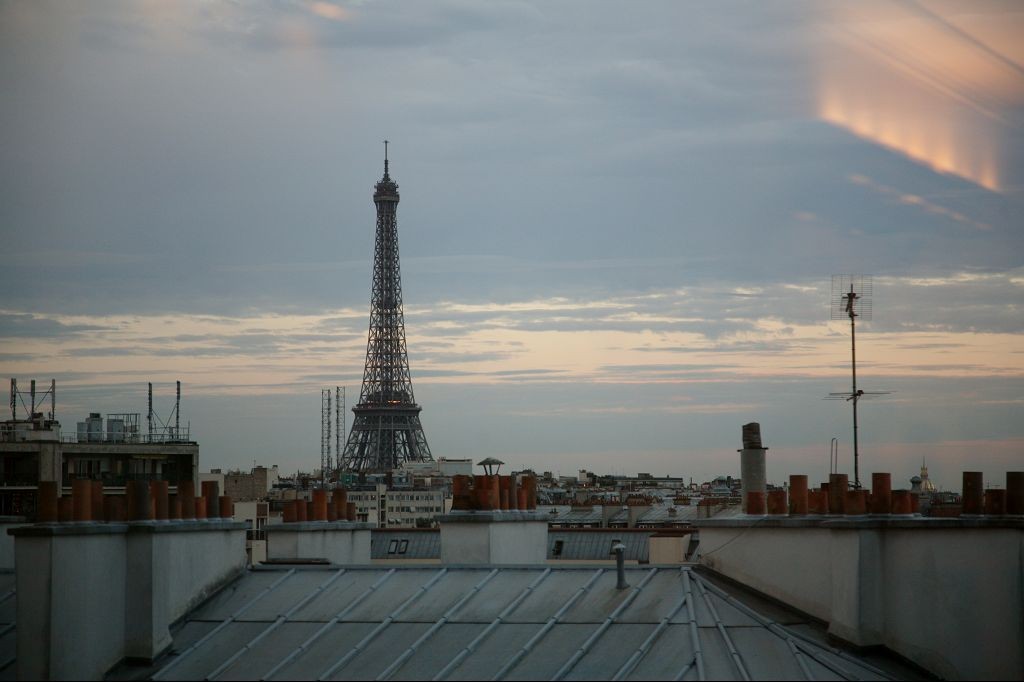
pixel 403 547
pixel 556 551
pixel 393 547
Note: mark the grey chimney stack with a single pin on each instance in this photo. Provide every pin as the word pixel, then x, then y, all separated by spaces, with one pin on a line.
pixel 753 477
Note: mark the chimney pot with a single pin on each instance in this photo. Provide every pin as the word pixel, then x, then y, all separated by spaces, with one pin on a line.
pixel 158 489
pixel 995 502
pixel 113 509
pixel 838 486
pixel 856 503
pixel 973 492
pixel 777 502
pixel 142 501
pixel 47 507
pixel 65 509
pixel 97 500
pixel 1015 492
pixel 227 508
pixel 751 435
pixel 320 505
pixel 901 503
pixel 187 495
pixel 211 491
pixel 798 499
pixel 881 493
pixel 81 499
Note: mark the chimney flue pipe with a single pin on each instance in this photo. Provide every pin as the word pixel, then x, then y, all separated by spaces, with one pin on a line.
pixel 620 566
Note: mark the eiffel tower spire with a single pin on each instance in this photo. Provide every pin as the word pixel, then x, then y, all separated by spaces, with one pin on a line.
pixel 386 431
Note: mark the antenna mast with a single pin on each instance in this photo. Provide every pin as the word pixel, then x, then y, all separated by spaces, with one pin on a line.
pixel 851 298
pixel 177 412
pixel 325 434
pixel 339 421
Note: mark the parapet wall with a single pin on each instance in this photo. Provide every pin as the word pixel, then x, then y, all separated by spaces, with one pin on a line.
pixel 93 594
pixel 947 594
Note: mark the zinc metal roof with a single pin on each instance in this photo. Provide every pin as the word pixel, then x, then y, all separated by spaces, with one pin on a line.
pixel 398 544
pixel 8 636
pixel 591 546
pixel 489 622
pixel 578 515
pixel 576 544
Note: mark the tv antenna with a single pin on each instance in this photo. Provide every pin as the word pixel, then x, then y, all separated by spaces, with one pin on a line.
pixel 851 298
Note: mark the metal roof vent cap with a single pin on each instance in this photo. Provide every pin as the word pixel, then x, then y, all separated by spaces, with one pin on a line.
pixel 620 566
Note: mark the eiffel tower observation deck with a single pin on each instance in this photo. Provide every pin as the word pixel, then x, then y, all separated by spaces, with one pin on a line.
pixel 387 429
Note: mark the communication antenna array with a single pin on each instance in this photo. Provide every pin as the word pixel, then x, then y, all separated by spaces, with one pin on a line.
pixel 852 299
pixel 851 296
pixel 325 435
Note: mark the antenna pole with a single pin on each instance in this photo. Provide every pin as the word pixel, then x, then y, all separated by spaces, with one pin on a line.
pixel 149 413
pixel 32 391
pixel 177 412
pixel 853 365
pixel 338 434
pixel 14 398
pixel 53 398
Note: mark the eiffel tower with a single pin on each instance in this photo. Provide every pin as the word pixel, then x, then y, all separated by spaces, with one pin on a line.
pixel 386 431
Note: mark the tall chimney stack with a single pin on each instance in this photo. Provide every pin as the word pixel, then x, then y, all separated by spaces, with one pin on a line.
pixel 752 463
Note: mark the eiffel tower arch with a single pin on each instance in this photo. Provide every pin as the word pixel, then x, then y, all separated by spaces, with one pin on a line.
pixel 386 431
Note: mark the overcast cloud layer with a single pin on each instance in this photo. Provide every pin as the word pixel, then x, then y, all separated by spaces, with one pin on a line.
pixel 617 224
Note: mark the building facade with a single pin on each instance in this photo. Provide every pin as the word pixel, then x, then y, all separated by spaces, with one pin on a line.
pixel 34 450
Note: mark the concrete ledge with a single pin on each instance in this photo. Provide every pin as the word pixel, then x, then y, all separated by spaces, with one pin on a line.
pixel 340 542
pixel 96 528
pixel 867 521
pixel 307 526
pixel 190 526
pixel 491 517
pixel 49 530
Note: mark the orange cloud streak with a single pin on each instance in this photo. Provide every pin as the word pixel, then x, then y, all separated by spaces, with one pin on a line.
pixel 910 80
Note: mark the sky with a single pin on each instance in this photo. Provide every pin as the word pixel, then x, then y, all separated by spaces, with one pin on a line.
pixel 618 224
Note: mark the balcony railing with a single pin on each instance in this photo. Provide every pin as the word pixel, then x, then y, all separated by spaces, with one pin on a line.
pixel 182 437
pixel 120 480
pixel 14 480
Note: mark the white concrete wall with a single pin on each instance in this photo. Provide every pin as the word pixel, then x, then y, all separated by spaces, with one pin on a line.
pixel 518 542
pixel 90 595
pixel 493 538
pixel 465 543
pixel 71 603
pixel 667 550
pixel 320 540
pixel 169 574
pixel 795 570
pixel 7 541
pixel 964 616
pixel 951 599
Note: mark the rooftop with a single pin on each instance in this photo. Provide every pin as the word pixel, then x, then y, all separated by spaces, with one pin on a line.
pixel 491 622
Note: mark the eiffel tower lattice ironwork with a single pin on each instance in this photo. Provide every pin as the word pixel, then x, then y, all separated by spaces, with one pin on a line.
pixel 386 430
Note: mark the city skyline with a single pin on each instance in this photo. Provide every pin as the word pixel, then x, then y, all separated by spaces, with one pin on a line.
pixel 617 232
